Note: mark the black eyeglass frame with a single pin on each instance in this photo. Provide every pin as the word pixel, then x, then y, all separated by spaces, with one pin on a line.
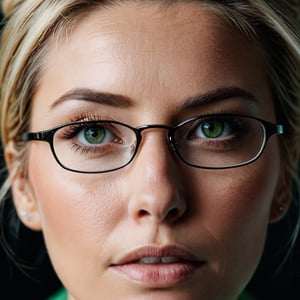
pixel 48 136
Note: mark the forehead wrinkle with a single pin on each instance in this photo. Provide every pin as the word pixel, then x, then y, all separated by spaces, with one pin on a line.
pixel 160 25
pixel 132 29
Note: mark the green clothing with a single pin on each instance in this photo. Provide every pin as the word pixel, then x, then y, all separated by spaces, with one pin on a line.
pixel 244 296
pixel 62 295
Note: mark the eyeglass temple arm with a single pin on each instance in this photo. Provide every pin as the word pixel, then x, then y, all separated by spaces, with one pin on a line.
pixel 36 136
pixel 272 128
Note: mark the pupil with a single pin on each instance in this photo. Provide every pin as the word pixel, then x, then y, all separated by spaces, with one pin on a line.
pixel 213 129
pixel 94 135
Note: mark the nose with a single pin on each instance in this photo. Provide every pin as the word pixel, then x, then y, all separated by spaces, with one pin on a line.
pixel 156 191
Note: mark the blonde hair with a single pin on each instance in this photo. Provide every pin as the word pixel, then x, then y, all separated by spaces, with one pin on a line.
pixel 32 24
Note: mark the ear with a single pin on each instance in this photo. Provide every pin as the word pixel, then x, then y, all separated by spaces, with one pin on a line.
pixel 23 196
pixel 25 203
pixel 282 199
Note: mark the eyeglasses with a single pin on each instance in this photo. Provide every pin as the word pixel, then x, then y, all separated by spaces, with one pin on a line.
pixel 216 141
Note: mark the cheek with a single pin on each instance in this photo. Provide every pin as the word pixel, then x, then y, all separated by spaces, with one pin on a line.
pixel 78 212
pixel 245 193
pixel 234 213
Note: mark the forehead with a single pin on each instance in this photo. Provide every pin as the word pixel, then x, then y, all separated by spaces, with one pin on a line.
pixel 151 52
pixel 148 29
pixel 143 29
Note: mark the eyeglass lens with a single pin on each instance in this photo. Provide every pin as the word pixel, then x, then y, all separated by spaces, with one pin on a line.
pixel 207 142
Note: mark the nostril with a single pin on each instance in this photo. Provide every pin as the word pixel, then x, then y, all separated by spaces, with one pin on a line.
pixel 170 215
pixel 143 213
pixel 174 214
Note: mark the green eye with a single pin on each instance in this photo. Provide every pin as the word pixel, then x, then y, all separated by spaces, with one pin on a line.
pixel 94 135
pixel 212 129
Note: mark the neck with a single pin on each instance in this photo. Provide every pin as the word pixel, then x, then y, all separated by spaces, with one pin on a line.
pixel 70 297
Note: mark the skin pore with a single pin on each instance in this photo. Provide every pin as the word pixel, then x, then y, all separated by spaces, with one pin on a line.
pixel 152 61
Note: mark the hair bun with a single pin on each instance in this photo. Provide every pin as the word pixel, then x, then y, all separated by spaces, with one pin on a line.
pixel 8 6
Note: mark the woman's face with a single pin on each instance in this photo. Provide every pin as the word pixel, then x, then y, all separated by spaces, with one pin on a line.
pixel 157 228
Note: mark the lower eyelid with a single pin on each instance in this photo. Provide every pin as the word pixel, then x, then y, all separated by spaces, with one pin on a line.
pixel 88 149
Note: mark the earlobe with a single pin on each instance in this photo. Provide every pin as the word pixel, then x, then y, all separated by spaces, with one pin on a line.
pixel 25 203
pixel 281 201
pixel 23 197
pixel 278 211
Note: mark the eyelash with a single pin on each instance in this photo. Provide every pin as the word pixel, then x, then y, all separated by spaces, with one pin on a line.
pixel 88 116
pixel 83 117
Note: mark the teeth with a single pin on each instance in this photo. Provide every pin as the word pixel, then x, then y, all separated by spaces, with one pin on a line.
pixel 149 260
pixel 169 259
pixel 156 260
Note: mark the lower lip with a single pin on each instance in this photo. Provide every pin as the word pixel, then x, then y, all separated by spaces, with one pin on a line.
pixel 158 275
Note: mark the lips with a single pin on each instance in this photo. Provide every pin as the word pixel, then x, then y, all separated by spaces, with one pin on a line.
pixel 158 267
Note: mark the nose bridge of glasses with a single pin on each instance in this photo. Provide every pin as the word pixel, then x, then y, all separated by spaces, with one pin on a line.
pixel 167 128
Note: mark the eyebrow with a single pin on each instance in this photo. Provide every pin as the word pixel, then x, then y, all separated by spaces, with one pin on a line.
pixel 115 100
pixel 217 95
pixel 122 101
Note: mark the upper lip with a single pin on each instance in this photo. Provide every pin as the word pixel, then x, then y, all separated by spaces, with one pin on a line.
pixel 152 251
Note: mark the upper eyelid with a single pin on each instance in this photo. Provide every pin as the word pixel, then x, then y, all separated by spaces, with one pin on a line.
pixel 91 116
pixel 174 127
pixel 208 116
pixel 96 119
pixel 77 127
pixel 196 123
pixel 88 117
